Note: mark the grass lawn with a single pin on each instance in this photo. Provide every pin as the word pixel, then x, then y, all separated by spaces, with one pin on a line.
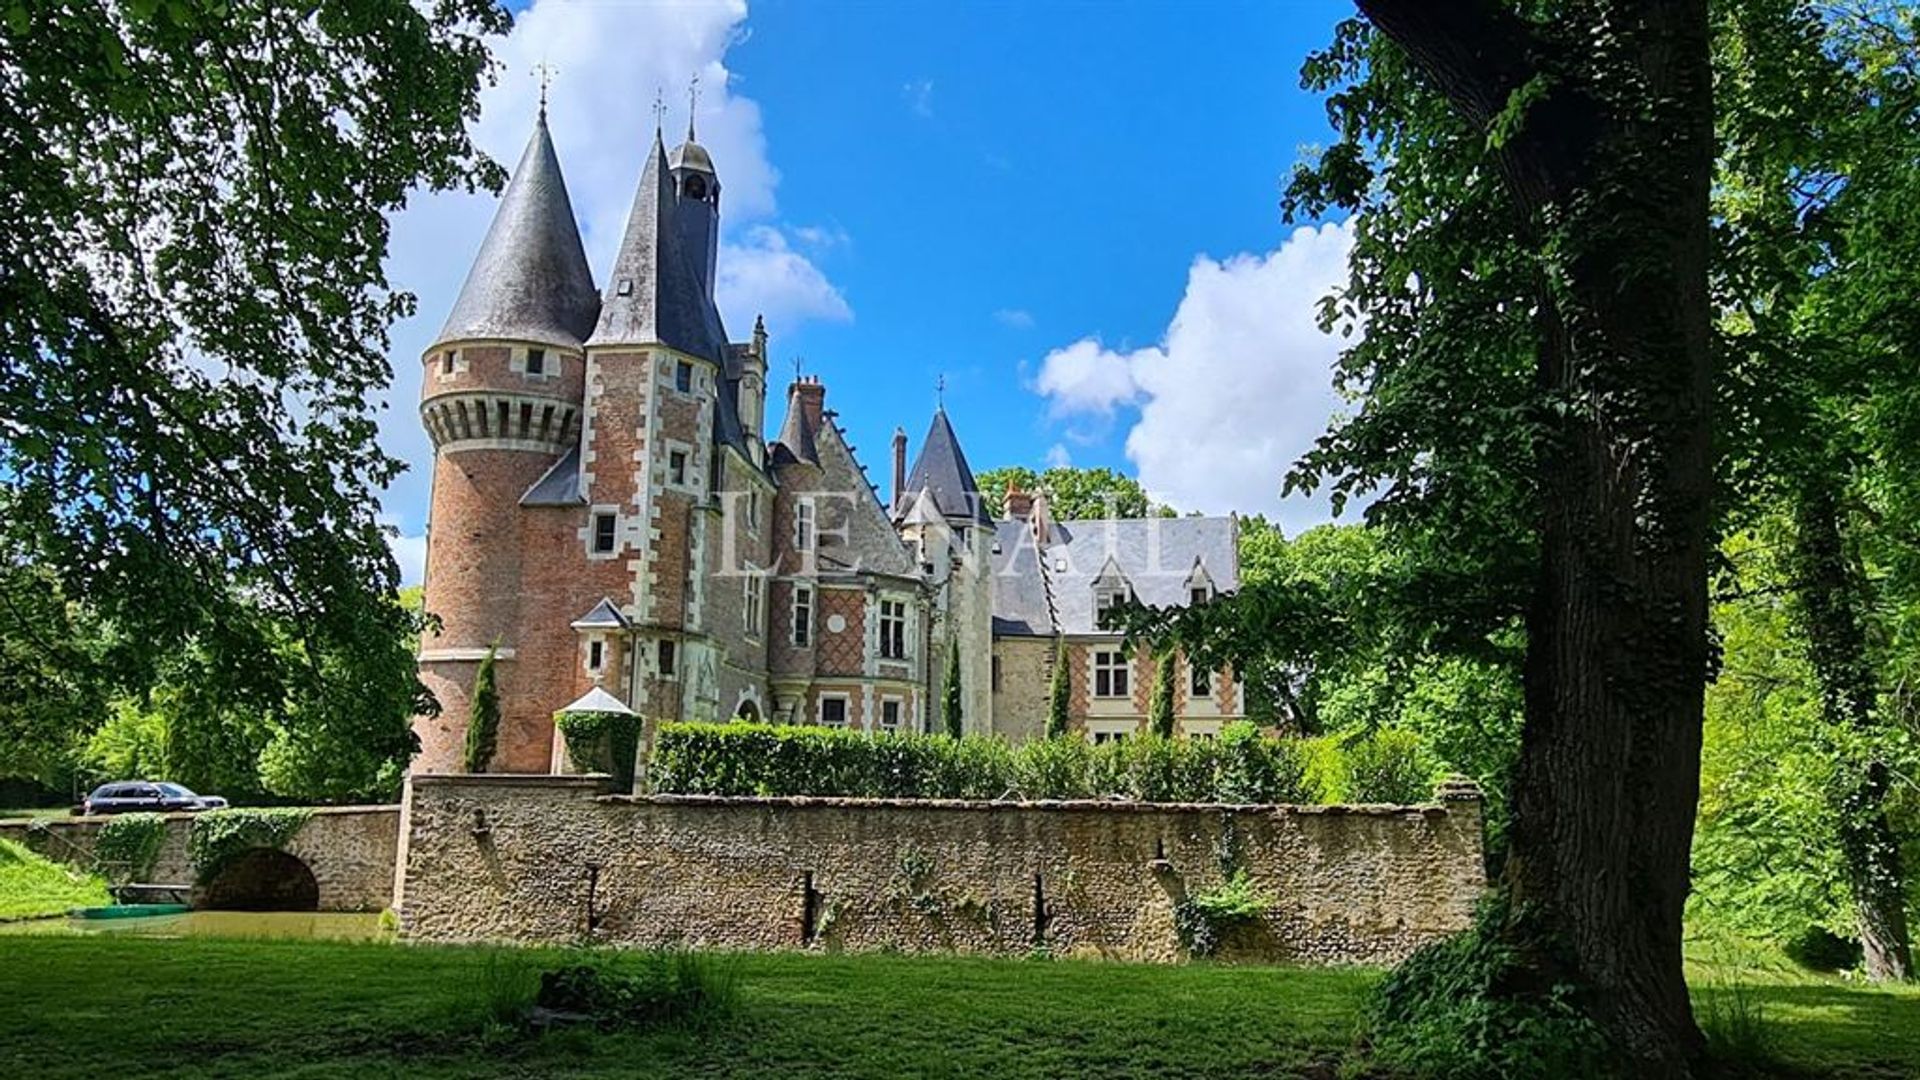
pixel 31 885
pixel 101 1006
pixel 37 812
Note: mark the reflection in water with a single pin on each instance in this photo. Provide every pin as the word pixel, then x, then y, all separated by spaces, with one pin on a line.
pixel 329 925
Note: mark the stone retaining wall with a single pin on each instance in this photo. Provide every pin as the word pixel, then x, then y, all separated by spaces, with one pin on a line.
pixel 548 859
pixel 349 849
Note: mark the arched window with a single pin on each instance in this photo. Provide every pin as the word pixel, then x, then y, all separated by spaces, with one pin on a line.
pixel 695 187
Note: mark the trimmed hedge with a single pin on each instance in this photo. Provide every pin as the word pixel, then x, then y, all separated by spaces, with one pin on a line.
pixel 779 760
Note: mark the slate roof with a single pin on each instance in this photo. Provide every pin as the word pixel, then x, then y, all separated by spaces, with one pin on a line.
pixel 603 616
pixel 597 700
pixel 1042 592
pixel 941 470
pixel 662 292
pixel 797 438
pixel 530 281
pixel 559 485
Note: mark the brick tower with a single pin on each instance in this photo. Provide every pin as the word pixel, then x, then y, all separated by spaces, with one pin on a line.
pixel 501 400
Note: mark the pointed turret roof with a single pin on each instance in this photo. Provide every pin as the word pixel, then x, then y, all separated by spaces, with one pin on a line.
pixel 655 294
pixel 530 281
pixel 941 469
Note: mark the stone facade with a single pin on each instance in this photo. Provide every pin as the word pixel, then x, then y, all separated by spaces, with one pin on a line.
pixel 534 859
pixel 350 850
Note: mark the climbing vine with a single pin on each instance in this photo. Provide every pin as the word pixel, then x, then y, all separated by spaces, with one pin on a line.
pixel 1205 918
pixel 219 835
pixel 127 846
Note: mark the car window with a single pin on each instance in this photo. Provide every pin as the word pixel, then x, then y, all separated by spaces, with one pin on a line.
pixel 107 791
pixel 175 791
pixel 146 791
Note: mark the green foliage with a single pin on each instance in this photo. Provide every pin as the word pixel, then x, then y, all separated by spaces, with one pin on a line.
pixel 1059 694
pixel 1203 919
pixel 195 353
pixel 950 709
pixel 32 886
pixel 783 760
pixel 650 989
pixel 216 836
pixel 1390 766
pixel 125 847
pixel 1468 1007
pixel 483 717
pixel 602 742
pixel 1073 494
pixel 1160 704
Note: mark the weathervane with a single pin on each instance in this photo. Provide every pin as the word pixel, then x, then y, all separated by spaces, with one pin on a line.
pixel 797 361
pixel 693 104
pixel 659 109
pixel 940 390
pixel 545 71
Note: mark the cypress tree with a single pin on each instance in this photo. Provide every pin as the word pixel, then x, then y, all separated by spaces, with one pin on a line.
pixel 1059 694
pixel 483 717
pixel 1160 709
pixel 951 698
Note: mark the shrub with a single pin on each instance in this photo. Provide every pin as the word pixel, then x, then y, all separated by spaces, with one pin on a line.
pixel 483 718
pixel 1462 1008
pixel 950 697
pixel 126 846
pixel 787 760
pixel 1059 694
pixel 1160 705
pixel 218 835
pixel 643 990
pixel 1204 918
pixel 1390 766
pixel 602 742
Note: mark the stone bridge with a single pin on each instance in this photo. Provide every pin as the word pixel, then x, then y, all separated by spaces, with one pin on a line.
pixel 341 859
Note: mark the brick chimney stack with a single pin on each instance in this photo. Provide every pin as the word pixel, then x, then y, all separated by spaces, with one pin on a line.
pixel 813 398
pixel 899 468
pixel 1019 503
pixel 1042 519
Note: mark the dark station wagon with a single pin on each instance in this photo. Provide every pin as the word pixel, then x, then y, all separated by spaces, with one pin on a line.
pixel 129 795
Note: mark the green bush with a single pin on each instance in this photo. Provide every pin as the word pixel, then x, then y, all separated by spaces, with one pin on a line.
pixel 483 717
pixel 602 742
pixel 1460 1008
pixel 218 835
pixel 126 846
pixel 650 989
pixel 1203 919
pixel 789 760
pixel 1390 766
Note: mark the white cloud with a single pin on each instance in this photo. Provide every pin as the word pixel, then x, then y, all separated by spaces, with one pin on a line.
pixel 609 61
pixel 919 97
pixel 1238 389
pixel 1014 318
pixel 409 551
pixel 763 275
pixel 1087 377
pixel 1058 457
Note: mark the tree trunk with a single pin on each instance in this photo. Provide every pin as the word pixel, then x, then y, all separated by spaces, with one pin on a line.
pixel 1609 176
pixel 1830 588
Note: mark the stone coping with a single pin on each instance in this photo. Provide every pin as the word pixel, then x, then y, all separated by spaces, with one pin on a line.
pixel 1127 806
pixel 535 780
pixel 97 820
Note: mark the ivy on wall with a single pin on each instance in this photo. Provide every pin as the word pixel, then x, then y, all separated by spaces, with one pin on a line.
pixel 126 847
pixel 219 835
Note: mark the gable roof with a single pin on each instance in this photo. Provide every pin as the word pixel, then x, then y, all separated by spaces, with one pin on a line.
pixel 530 280
pixel 941 470
pixel 1052 589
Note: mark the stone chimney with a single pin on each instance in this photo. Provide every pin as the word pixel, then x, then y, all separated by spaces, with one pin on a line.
pixel 899 470
pixel 1041 517
pixel 1019 503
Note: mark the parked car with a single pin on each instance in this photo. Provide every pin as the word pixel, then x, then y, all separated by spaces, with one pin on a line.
pixel 128 795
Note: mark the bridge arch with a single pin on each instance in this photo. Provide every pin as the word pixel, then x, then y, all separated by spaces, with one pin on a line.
pixel 262 879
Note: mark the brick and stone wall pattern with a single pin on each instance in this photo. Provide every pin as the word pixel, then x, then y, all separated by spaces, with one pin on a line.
pixel 1349 884
pixel 1026 672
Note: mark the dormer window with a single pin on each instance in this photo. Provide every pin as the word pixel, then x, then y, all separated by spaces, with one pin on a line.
pixel 1199 585
pixel 1199 595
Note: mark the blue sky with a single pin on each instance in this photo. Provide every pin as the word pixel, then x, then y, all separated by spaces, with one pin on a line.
pixel 1069 211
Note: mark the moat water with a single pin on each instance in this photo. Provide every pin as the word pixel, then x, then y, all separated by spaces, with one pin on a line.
pixel 309 925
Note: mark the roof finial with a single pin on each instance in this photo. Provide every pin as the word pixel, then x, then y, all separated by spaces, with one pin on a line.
pixel 659 109
pixel 545 71
pixel 693 104
pixel 940 390
pixel 797 361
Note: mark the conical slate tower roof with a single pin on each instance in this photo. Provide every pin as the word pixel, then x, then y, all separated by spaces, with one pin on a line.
pixel 654 293
pixel 530 281
pixel 941 471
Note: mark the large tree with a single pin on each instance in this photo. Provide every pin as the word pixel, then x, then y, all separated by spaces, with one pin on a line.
pixel 194 201
pixel 1073 493
pixel 1555 160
